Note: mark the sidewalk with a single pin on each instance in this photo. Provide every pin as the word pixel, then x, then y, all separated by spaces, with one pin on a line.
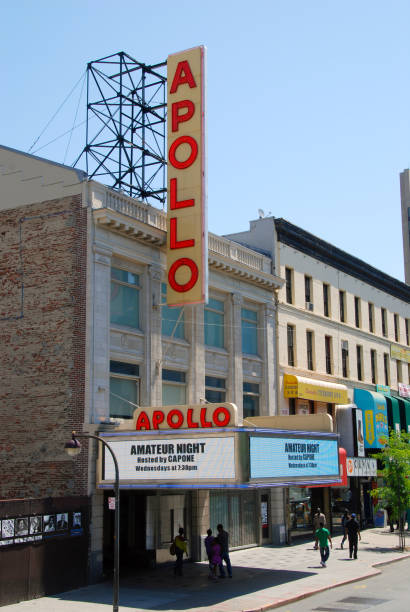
pixel 264 578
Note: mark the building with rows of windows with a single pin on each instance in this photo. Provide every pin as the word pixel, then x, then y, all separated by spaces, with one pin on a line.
pixel 87 340
pixel 342 326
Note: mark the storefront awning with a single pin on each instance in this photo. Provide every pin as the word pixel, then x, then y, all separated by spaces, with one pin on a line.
pixel 316 390
pixel 375 424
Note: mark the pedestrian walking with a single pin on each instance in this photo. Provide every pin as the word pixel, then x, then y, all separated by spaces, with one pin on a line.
pixel 180 549
pixel 353 534
pixel 208 547
pixel 322 536
pixel 345 518
pixel 318 518
pixel 223 539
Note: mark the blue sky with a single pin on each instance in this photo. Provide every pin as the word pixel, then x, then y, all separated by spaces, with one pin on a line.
pixel 308 102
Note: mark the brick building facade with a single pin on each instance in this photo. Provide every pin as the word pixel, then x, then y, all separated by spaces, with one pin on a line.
pixel 43 338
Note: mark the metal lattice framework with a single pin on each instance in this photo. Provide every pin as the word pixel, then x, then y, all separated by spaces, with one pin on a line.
pixel 126 126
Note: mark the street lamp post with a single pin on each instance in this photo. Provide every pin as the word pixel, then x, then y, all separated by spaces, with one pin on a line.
pixel 73 448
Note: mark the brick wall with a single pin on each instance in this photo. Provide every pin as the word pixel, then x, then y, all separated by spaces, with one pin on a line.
pixel 42 340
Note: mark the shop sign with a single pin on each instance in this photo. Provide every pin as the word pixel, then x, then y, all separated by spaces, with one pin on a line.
pixel 274 457
pixel 373 406
pixel 296 386
pixel 197 416
pixel 383 389
pixel 400 353
pixel 187 238
pixel 171 459
pixel 361 466
pixel 404 390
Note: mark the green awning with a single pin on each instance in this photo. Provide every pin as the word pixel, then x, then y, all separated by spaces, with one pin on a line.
pixel 404 414
pixel 393 413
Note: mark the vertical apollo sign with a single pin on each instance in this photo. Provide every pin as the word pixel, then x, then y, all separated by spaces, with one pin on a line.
pixel 187 235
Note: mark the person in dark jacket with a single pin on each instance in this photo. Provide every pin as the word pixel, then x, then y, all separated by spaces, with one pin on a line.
pixel 223 539
pixel 353 534
pixel 345 518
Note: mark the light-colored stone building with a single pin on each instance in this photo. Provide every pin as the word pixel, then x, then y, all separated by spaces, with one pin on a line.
pixel 87 339
pixel 342 324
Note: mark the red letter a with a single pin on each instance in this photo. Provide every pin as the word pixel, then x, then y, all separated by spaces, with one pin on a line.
pixel 182 75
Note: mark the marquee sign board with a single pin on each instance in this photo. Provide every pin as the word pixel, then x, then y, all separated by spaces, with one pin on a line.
pixel 293 457
pixel 172 459
pixel 187 237
pixel 190 416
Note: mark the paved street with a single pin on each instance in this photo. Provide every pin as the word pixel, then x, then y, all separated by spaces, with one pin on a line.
pixel 388 592
pixel 264 578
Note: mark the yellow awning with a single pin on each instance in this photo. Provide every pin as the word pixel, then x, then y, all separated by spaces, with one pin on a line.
pixel 316 390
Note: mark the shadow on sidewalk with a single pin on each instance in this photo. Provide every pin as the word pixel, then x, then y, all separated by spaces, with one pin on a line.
pixel 159 589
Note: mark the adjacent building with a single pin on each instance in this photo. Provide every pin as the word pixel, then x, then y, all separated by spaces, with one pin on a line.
pixel 343 338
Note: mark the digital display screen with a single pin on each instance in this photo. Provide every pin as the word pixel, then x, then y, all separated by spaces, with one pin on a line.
pixel 290 457
pixel 171 459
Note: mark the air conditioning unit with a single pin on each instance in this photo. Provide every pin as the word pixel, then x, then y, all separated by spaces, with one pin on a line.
pixel 309 306
pixel 345 345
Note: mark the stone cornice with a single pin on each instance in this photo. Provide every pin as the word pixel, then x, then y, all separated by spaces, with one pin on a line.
pixel 316 248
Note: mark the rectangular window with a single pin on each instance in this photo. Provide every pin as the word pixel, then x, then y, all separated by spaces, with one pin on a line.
pixel 249 331
pixel 373 365
pixel 292 405
pixel 371 318
pixel 124 389
pixel 309 350
pixel 214 322
pixel 289 285
pixel 359 360
pixel 384 322
pixel 399 371
pixel 173 388
pixel 342 306
pixel 396 328
pixel 124 305
pixel 291 345
pixel 326 293
pixel 172 317
pixel 386 366
pixel 308 290
pixel 328 354
pixel 250 399
pixel 357 313
pixel 215 391
pixel 407 331
pixel 345 359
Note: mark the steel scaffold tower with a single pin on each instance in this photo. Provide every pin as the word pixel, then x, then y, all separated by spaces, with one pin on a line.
pixel 126 126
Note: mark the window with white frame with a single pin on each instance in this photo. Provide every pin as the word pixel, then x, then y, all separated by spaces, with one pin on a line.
pixel 359 361
pixel 124 305
pixel 214 323
pixel 396 327
pixel 328 354
pixel 172 317
pixel 249 331
pixel 386 366
pixel 310 350
pixel 373 365
pixel 399 371
pixel 173 387
pixel 384 322
pixel 291 344
pixel 215 389
pixel 124 389
pixel 250 399
pixel 371 317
